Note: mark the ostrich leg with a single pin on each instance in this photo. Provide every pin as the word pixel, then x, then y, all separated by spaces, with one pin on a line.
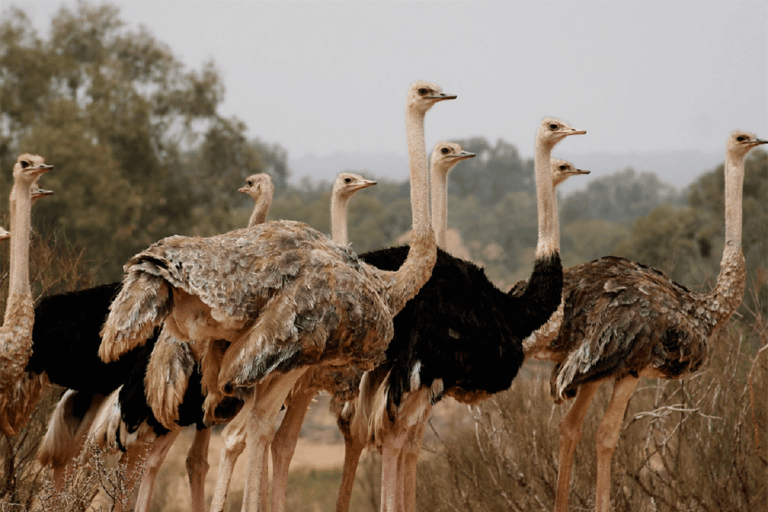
pixel 607 437
pixel 570 433
pixel 197 468
pixel 284 443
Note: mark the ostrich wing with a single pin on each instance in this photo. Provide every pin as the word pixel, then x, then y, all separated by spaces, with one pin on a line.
pixel 621 317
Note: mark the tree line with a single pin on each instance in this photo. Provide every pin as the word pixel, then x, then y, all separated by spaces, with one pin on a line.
pixel 144 153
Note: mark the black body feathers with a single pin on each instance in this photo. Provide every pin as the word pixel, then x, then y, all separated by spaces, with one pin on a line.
pixel 462 329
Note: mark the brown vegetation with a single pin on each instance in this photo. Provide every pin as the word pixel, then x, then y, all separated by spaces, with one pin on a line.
pixel 690 445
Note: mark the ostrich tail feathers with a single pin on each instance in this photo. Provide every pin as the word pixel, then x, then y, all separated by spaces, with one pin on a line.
pixel 68 427
pixel 170 367
pixel 18 404
pixel 142 304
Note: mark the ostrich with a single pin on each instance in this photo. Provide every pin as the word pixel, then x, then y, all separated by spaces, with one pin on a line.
pixel 283 294
pixel 338 380
pixel 16 387
pixel 461 336
pixel 123 418
pixel 623 320
pixel 260 188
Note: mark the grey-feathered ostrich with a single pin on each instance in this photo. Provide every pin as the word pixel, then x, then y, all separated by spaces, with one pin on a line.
pixel 283 294
pixel 623 321
pixel 460 336
pixel 18 389
pixel 124 419
pixel 334 380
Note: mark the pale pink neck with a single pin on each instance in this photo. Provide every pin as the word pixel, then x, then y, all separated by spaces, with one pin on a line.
pixel 417 268
pixel 260 209
pixel 439 187
pixel 549 235
pixel 21 210
pixel 339 219
pixel 729 290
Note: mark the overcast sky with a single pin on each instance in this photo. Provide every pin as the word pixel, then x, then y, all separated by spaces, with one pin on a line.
pixel 331 77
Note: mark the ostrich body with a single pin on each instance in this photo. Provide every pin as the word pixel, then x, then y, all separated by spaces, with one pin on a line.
pixel 623 320
pixel 461 336
pixel 17 388
pixel 334 380
pixel 283 294
pixel 107 401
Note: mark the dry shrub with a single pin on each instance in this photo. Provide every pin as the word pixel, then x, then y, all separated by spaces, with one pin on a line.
pixel 55 266
pixel 698 444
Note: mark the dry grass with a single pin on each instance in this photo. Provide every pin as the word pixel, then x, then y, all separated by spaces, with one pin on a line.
pixel 692 445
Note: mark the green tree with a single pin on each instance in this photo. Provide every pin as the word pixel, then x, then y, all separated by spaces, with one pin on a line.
pixel 495 171
pixel 140 149
pixel 619 197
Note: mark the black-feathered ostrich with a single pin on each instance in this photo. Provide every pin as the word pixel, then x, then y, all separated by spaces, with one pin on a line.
pixel 623 320
pixel 460 336
pixel 285 296
pixel 124 420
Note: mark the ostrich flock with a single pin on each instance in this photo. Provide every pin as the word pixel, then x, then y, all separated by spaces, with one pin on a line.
pixel 233 328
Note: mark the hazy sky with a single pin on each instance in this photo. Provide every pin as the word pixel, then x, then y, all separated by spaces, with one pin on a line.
pixel 330 77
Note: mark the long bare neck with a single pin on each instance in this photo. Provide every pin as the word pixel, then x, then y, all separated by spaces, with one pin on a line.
pixel 422 254
pixel 260 209
pixel 339 219
pixel 439 187
pixel 549 235
pixel 21 209
pixel 729 291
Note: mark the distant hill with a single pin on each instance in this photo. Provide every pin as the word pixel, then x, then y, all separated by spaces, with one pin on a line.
pixel 679 168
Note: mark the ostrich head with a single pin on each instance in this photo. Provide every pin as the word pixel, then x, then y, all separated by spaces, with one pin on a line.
pixel 423 95
pixel 447 154
pixel 29 167
pixel 562 170
pixel 258 184
pixel 38 192
pixel 551 131
pixel 347 184
pixel 4 235
pixel 739 143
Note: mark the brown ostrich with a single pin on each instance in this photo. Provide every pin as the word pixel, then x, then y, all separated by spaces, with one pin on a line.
pixel 283 443
pixel 623 320
pixel 18 389
pixel 283 294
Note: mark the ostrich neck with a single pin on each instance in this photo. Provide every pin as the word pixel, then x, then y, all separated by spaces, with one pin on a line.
pixel 549 236
pixel 729 291
pixel 260 210
pixel 417 268
pixel 339 219
pixel 439 185
pixel 21 209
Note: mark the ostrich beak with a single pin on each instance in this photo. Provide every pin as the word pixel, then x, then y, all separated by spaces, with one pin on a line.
pixel 365 184
pixel 39 192
pixel 464 155
pixel 577 132
pixel 442 96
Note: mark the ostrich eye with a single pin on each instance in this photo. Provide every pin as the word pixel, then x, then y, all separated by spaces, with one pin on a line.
pixel 347 180
pixel 422 91
pixel 562 167
pixel 249 183
pixel 445 151
pixel 553 126
pixel 24 164
pixel 741 138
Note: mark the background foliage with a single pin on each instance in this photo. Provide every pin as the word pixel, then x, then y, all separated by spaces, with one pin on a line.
pixel 142 152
